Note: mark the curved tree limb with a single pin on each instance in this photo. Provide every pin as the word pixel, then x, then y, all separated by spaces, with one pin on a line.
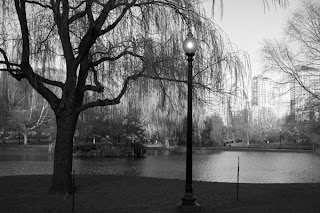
pixel 106 58
pixel 76 16
pixel 39 4
pixel 16 73
pixel 62 21
pixel 8 63
pixel 114 24
pixel 50 82
pixel 36 81
pixel 114 101
pixel 98 88
pixel 22 16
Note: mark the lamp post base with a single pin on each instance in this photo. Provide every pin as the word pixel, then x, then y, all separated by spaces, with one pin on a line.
pixel 189 205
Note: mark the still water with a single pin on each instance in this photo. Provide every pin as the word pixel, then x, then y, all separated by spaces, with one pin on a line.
pixel 216 166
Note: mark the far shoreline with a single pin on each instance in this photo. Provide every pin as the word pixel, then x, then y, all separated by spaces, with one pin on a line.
pixel 196 149
pixel 244 149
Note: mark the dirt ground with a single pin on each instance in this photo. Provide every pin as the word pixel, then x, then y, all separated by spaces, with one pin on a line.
pixel 110 193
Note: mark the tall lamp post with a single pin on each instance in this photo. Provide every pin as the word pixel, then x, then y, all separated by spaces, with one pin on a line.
pixel 189 203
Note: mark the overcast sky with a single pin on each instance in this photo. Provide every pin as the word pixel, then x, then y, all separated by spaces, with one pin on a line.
pixel 247 23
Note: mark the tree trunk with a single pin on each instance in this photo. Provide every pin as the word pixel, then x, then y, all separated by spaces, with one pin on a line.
pixel 25 139
pixel 62 177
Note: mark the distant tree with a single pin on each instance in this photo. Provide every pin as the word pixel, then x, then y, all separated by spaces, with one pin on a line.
pixel 241 125
pixel 214 130
pixel 134 126
pixel 264 125
pixel 118 128
pixel 294 130
pixel 297 56
pixel 4 103
pixel 30 116
pixel 4 113
pixel 181 133
pixel 23 110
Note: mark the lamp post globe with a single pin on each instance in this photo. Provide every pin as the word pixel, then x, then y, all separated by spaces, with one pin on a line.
pixel 190 45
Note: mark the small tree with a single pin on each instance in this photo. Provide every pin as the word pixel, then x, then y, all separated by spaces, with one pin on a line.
pixel 31 115
pixel 241 125
pixel 264 125
pixel 119 128
pixel 214 130
pixel 4 113
pixel 23 110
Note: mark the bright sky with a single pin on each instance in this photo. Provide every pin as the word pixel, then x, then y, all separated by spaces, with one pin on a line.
pixel 247 23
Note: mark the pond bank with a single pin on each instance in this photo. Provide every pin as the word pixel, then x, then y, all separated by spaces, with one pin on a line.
pixel 111 193
pixel 234 148
pixel 23 146
pixel 195 149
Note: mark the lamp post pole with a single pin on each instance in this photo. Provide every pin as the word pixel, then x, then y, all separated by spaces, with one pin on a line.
pixel 189 203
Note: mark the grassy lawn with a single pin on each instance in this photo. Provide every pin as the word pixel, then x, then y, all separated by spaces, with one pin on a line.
pixel 108 193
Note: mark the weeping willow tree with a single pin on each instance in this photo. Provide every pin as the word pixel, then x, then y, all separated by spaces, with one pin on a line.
pixel 97 49
pixel 220 70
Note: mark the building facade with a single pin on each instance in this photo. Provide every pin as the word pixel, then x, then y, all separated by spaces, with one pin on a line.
pixel 304 89
pixel 266 94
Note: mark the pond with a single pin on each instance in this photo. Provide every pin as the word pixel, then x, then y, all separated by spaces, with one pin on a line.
pixel 208 165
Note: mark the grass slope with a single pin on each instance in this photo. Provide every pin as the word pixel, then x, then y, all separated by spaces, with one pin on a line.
pixel 109 193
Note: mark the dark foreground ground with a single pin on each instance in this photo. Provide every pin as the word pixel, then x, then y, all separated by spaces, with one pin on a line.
pixel 110 193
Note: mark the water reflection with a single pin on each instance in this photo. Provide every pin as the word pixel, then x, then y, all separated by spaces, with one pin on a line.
pixel 119 166
pixel 24 154
pixel 208 165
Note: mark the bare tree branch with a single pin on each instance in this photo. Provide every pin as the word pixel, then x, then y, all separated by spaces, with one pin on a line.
pixel 77 16
pixel 98 87
pixel 114 24
pixel 16 73
pixel 39 4
pixel 114 101
pixel 106 58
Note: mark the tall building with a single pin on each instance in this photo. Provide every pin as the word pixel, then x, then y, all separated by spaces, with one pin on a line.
pixel 266 94
pixel 226 106
pixel 302 88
